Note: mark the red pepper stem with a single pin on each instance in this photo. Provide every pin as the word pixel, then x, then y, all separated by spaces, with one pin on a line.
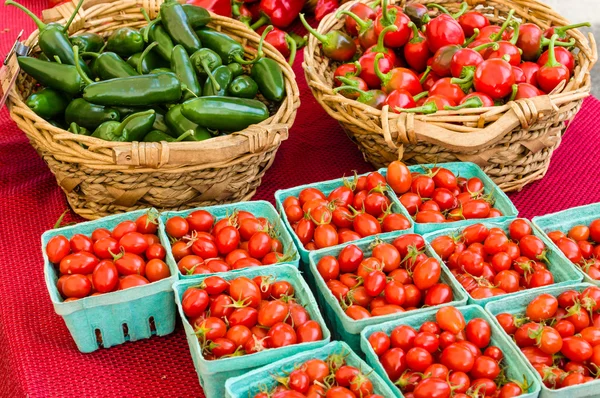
pixel 546 42
pixel 516 27
pixel 259 51
pixel 513 95
pixel 462 10
pixel 31 15
pixel 416 36
pixel 351 88
pixel 551 53
pixel 347 81
pixel 322 38
pixel 380 47
pixel 505 25
pixel 261 21
pixel 495 46
pixel 473 102
pixel 374 4
pixel 293 48
pixel 360 22
pixel 428 108
pixel 425 75
pixel 472 38
pixel 378 72
pixel 468 77
pixel 358 68
pixel 560 31
pixel 78 67
pixel 72 17
pixel 443 9
pixel 144 54
pixel 387 15
pixel 420 95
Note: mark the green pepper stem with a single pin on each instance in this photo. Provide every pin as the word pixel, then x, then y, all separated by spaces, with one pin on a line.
pixel 237 57
pixel 472 38
pixel 420 95
pixel 551 53
pixel 504 26
pixel 35 18
pixel 427 108
pixel 57 59
pixel 144 53
pixel 214 81
pixel 293 48
pixel 259 51
pixel 380 47
pixel 516 28
pixel 145 14
pixel 322 38
pixel 425 75
pixel 149 26
pixel 495 46
pixel 513 95
pixel 72 17
pixel 560 31
pixel 183 136
pixel 364 25
pixel 90 54
pixel 78 67
pixel 261 21
pixel 473 102
pixel 443 9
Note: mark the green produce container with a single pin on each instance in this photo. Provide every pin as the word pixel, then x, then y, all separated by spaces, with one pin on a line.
pixel 517 305
pixel 112 318
pixel 247 385
pixel 259 208
pixel 347 329
pixel 516 368
pixel 564 221
pixel 467 170
pixel 564 272
pixel 213 374
pixel 326 187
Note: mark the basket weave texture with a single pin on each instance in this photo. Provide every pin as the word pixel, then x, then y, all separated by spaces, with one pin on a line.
pixel 512 143
pixel 101 177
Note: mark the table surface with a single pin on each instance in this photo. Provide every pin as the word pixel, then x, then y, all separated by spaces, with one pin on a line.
pixel 38 358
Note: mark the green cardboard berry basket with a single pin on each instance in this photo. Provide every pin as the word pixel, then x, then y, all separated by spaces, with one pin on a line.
pixel 347 329
pixel 326 187
pixel 564 221
pixel 250 383
pixel 517 305
pixel 564 272
pixel 515 365
pixel 112 318
pixel 259 208
pixel 212 374
pixel 467 170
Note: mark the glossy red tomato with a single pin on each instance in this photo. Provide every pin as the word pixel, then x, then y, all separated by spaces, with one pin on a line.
pixel 394 362
pixel 57 248
pixel 123 228
pixel 309 331
pixel 105 277
pixel 130 281
pixel 457 358
pixel 78 263
pixel 450 319
pixel 76 286
pixel 281 335
pixel 427 273
pixel 542 307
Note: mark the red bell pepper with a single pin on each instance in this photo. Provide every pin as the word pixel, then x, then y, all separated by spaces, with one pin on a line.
pixel 325 7
pixel 280 13
pixel 221 7
pixel 283 42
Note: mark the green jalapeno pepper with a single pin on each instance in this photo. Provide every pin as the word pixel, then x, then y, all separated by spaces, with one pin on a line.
pixel 150 62
pixel 133 128
pixel 224 113
pixel 141 90
pixel 175 22
pixel 52 38
pixel 157 136
pixel 227 48
pixel 109 65
pixel 89 115
pixel 179 124
pixel 222 75
pixel 159 123
pixel 125 42
pixel 60 77
pixel 197 16
pixel 161 70
pixel 236 69
pixel 77 129
pixel 182 67
pixel 268 74
pixel 205 61
pixel 242 87
pixel 47 103
pixel 155 32
pixel 88 42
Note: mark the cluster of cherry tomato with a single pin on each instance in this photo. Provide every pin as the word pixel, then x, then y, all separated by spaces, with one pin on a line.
pixel 581 245
pixel 397 277
pixel 358 208
pixel 445 358
pixel 413 61
pixel 438 195
pixel 560 336
pixel 203 246
pixel 130 255
pixel 243 316
pixel 490 262
pixel 329 378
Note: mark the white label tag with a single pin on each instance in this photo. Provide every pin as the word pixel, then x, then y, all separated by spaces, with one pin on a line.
pixel 10 69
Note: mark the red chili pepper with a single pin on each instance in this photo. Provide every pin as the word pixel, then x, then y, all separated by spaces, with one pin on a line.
pixel 432 104
pixel 507 49
pixel 346 70
pixel 220 7
pixel 398 78
pixel 524 90
pixel 280 13
pixel 393 16
pixel 283 42
pixel 561 31
pixel 366 33
pixel 336 44
pixel 444 30
pixel 416 51
pixel 325 7
pixel 362 11
pixel 467 58
pixel 355 82
pixel 381 48
pixel 442 59
pixel 494 77
pixel 562 55
pixel 418 14
pixel 472 20
pixel 374 98
pixel 446 88
pixel 530 69
pixel 428 79
pixel 552 73
pixel 486 100
pixel 519 75
pixel 401 99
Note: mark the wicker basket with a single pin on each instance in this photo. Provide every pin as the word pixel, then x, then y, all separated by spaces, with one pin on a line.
pixel 107 177
pixel 513 143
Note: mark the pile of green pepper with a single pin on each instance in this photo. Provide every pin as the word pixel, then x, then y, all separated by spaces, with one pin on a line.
pixel 175 79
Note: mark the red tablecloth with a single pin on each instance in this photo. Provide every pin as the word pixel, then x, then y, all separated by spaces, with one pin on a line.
pixel 38 357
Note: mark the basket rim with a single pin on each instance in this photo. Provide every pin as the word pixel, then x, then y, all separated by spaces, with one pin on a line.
pixel 274 129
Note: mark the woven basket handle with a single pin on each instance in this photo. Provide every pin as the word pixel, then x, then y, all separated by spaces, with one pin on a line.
pixel 522 113
pixel 218 150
